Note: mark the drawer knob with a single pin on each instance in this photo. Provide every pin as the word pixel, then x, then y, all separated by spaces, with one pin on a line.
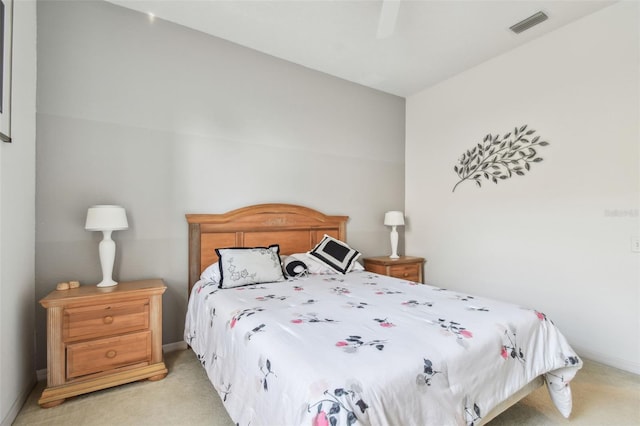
pixel 406 274
pixel 111 354
pixel 108 319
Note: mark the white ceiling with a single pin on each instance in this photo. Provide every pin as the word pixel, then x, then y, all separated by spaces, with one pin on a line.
pixel 431 39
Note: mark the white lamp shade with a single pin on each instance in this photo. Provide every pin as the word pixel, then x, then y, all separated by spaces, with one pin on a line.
pixel 106 218
pixel 394 218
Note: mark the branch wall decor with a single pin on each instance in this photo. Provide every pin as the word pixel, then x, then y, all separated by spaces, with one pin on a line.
pixel 499 158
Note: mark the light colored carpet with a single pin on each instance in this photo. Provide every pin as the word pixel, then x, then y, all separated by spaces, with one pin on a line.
pixel 184 397
pixel 601 396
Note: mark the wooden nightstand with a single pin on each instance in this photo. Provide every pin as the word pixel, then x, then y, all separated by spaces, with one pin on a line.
pixel 102 337
pixel 406 267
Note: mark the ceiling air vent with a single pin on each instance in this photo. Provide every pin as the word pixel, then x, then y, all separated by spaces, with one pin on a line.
pixel 531 21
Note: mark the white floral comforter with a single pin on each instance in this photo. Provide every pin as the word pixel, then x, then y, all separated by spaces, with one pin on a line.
pixel 368 349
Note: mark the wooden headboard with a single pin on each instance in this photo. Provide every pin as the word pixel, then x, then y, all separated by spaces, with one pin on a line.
pixel 296 229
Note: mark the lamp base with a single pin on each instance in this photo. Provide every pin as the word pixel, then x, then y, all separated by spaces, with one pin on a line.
pixel 107 283
pixel 394 243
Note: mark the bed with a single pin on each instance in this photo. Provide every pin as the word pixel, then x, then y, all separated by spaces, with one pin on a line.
pixel 355 348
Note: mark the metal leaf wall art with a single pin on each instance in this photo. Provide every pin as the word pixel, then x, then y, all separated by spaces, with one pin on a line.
pixel 499 158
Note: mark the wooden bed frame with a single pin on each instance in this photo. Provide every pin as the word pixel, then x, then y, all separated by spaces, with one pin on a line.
pixel 296 229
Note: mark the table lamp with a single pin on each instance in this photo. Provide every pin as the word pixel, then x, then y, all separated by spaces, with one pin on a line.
pixel 106 219
pixel 394 219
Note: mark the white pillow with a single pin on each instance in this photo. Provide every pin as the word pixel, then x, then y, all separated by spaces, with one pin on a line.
pixel 211 274
pixel 314 266
pixel 319 268
pixel 249 265
pixel 356 266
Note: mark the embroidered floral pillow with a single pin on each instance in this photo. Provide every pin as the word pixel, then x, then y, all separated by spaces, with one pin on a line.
pixel 249 265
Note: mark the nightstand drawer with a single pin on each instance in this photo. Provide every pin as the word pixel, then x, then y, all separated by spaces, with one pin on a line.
pixel 104 320
pixel 106 354
pixel 406 272
pixel 408 268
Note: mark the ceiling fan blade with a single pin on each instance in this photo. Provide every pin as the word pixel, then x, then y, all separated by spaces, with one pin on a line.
pixel 388 18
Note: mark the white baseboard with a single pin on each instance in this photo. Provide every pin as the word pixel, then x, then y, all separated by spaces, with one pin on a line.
pixel 621 364
pixel 175 346
pixel 17 404
pixel 169 347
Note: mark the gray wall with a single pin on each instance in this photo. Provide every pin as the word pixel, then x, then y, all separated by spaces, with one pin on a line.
pixel 166 121
pixel 17 222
